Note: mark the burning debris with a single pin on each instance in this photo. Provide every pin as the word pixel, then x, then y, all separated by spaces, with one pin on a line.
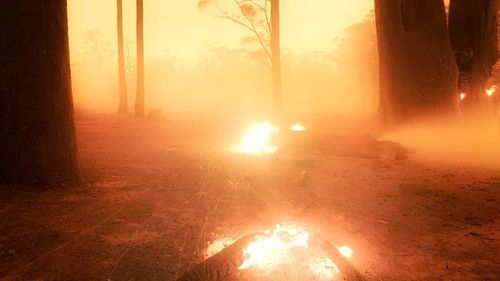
pixel 286 252
pixel 273 247
pixel 260 138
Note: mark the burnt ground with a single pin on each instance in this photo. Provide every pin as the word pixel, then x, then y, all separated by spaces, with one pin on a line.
pixel 154 193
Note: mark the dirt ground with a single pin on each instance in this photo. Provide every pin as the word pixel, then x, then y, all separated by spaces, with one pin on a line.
pixel 154 193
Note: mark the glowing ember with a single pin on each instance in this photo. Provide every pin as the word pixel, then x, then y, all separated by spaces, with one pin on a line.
pixel 274 246
pixel 462 96
pixel 491 91
pixel 258 139
pixel 298 127
pixel 345 251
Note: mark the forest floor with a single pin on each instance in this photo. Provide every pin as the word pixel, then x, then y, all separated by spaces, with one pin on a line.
pixel 155 193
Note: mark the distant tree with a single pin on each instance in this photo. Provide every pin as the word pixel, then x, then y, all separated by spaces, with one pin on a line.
pixel 276 55
pixel 357 57
pixel 262 19
pixel 417 69
pixel 473 29
pixel 122 80
pixel 139 99
pixel 95 50
pixel 37 133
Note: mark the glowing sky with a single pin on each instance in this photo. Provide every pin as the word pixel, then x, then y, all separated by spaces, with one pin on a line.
pixel 179 28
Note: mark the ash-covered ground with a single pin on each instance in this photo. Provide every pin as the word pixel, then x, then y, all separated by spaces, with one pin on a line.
pixel 155 193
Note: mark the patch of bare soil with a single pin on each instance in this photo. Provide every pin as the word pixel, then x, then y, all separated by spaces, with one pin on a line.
pixel 155 192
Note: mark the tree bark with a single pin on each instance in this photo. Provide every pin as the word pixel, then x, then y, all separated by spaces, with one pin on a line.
pixel 276 57
pixel 473 34
pixel 417 70
pixel 37 133
pixel 122 80
pixel 139 102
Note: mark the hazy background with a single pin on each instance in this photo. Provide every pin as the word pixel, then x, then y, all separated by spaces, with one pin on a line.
pixel 198 62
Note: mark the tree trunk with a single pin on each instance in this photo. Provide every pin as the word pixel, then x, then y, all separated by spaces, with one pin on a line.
pixel 139 101
pixel 473 35
pixel 417 69
pixel 276 57
pixel 122 80
pixel 37 133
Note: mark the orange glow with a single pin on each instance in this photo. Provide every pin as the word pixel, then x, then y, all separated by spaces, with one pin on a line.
pixel 274 246
pixel 284 248
pixel 201 28
pixel 462 96
pixel 298 127
pixel 212 64
pixel 257 139
pixel 324 268
pixel 217 246
pixel 491 91
pixel 279 246
pixel 345 251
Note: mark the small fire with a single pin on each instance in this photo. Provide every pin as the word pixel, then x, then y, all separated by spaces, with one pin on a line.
pixel 298 127
pixel 462 96
pixel 287 248
pixel 491 91
pixel 288 251
pixel 274 245
pixel 257 140
pixel 345 251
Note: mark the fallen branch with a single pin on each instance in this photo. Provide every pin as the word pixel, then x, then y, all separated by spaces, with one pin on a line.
pixel 223 266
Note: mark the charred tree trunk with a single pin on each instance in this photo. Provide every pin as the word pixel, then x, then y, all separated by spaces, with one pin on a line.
pixel 223 266
pixel 417 69
pixel 139 101
pixel 473 35
pixel 276 57
pixel 37 133
pixel 122 80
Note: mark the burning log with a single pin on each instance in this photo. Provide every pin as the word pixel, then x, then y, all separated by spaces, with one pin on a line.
pixel 223 266
pixel 270 248
pixel 349 272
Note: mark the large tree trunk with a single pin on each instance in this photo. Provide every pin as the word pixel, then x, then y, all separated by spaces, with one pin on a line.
pixel 37 134
pixel 122 80
pixel 276 56
pixel 473 34
pixel 139 101
pixel 417 69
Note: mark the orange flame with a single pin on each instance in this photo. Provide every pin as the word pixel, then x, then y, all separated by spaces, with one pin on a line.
pixel 285 247
pixel 491 91
pixel 345 251
pixel 272 246
pixel 462 96
pixel 257 140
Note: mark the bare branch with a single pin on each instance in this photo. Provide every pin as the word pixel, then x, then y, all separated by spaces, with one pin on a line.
pixel 256 32
pixel 255 23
